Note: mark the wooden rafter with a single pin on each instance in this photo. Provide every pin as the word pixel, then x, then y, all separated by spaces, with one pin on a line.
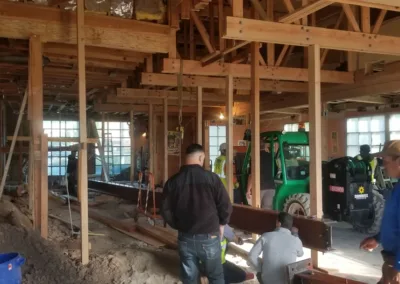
pixel 191 67
pixel 379 21
pixel 351 17
pixel 155 79
pixel 246 29
pixel 304 11
pixel 20 21
pixel 202 30
pixel 391 5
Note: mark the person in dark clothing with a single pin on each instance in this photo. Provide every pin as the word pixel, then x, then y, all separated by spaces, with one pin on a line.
pixel 389 234
pixel 72 168
pixel 196 203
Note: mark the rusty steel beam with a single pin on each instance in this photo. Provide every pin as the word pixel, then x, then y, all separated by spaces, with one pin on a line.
pixel 314 234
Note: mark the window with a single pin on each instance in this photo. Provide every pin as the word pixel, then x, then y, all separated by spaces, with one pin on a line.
pixel 217 137
pixel 294 127
pixel 368 130
pixel 58 159
pixel 394 127
pixel 117 146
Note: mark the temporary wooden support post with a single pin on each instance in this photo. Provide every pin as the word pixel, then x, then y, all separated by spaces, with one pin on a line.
pixel 155 171
pixel 100 147
pixel 165 176
pixel 14 141
pixel 151 138
pixel 229 122
pixel 314 100
pixel 199 115
pixel 82 160
pixel 36 106
pixel 103 139
pixel 44 195
pixel 132 135
pixel 221 25
pixel 255 124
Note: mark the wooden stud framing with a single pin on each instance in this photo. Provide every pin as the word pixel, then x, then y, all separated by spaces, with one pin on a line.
pixel 237 8
pixel 314 99
pixel 255 125
pixel 247 29
pixel 132 136
pixel 44 195
pixel 165 176
pixel 82 161
pixel 304 11
pixel 191 67
pixel 20 21
pixel 199 115
pixel 392 5
pixel 353 23
pixel 229 127
pixel 154 79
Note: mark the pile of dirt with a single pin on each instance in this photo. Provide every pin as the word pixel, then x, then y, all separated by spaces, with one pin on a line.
pixel 44 262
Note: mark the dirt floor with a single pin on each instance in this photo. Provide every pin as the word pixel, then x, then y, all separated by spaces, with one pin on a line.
pixel 116 258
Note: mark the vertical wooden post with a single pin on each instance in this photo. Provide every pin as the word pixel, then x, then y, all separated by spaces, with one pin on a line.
pixel 103 139
pixel 155 160
pixel 132 134
pixel 229 137
pixel 192 44
pixel 165 176
pixel 221 25
pixel 237 8
pixel 36 100
pixel 314 100
pixel 304 22
pixel 44 230
pixel 100 147
pixel 151 138
pixel 270 46
pixel 211 23
pixel 206 145
pixel 352 56
pixel 255 124
pixel 366 19
pixel 200 115
pixel 82 160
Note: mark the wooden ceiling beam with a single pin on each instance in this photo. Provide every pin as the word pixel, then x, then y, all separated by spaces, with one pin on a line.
pixel 270 32
pixel 20 21
pixel 160 101
pixel 98 63
pixel 170 80
pixel 94 52
pixel 98 107
pixel 191 67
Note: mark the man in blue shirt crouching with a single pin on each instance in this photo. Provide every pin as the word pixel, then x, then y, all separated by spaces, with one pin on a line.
pixel 389 235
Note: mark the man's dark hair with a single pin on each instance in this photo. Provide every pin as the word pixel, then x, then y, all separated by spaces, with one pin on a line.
pixel 194 148
pixel 286 220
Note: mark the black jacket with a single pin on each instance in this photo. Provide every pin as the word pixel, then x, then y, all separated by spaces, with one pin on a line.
pixel 195 201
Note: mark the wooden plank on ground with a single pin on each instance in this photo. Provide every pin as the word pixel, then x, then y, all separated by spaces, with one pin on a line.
pixel 154 232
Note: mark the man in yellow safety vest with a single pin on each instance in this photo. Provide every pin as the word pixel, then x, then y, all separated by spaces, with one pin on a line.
pixel 220 164
pixel 365 154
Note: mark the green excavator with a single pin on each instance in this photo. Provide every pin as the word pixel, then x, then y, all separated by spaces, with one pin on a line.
pixel 348 193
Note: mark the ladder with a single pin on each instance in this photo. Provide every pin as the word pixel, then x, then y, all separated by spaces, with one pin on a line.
pixel 108 152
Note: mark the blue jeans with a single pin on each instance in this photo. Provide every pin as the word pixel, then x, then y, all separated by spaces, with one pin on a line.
pixel 204 248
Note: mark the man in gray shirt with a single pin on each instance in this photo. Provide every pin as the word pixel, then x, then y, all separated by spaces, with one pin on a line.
pixel 279 248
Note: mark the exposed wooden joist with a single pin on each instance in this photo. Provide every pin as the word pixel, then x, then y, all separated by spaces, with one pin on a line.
pixel 305 11
pixel 375 100
pixel 155 79
pixel 281 111
pixel 139 108
pixel 247 29
pixel 82 160
pixel 131 93
pixel 391 5
pixel 191 67
pixel 172 102
pixel 93 52
pixel 20 21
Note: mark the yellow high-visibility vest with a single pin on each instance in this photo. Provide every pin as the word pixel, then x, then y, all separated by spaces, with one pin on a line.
pixel 219 167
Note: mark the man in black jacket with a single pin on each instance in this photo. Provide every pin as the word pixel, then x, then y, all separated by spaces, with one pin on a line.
pixel 196 203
